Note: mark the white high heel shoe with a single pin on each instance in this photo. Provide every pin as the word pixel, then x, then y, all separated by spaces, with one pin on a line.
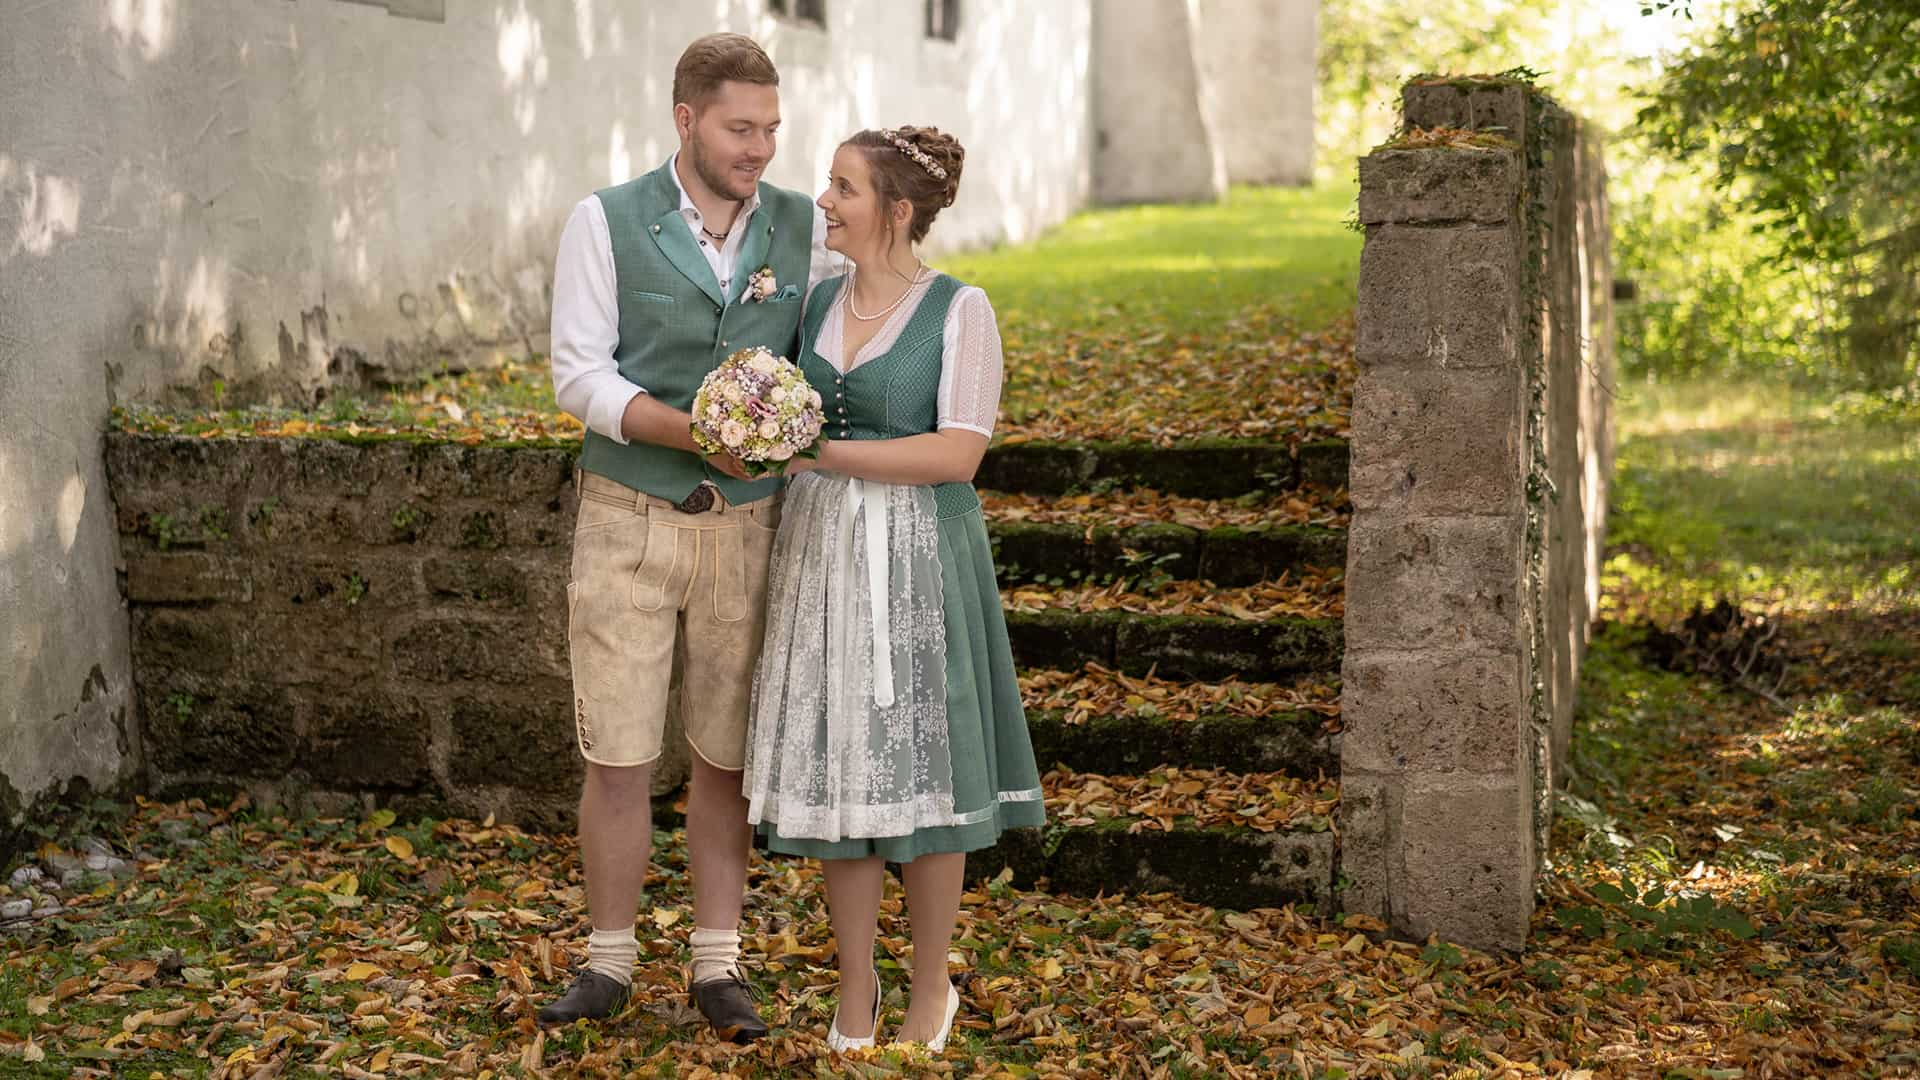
pixel 839 1043
pixel 939 1041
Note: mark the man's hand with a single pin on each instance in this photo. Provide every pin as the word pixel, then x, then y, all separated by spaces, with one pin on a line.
pixel 730 465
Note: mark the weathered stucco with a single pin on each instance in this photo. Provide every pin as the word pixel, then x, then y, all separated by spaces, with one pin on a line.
pixel 1257 61
pixel 249 199
pixel 1192 95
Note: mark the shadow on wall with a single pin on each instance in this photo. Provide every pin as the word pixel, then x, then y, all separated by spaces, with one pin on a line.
pixel 326 195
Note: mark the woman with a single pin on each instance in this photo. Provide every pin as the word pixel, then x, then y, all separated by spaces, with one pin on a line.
pixel 886 722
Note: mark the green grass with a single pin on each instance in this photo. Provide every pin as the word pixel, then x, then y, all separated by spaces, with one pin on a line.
pixel 1182 269
pixel 1801 509
pixel 1761 494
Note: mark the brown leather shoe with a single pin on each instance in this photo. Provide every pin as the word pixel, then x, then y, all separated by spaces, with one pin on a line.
pixel 728 1006
pixel 592 996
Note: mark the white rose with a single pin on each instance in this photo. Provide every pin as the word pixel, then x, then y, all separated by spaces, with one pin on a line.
pixel 769 429
pixel 715 412
pixel 777 395
pixel 780 453
pixel 814 396
pixel 733 433
pixel 733 393
pixel 762 362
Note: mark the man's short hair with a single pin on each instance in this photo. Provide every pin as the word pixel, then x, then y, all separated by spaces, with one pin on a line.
pixel 719 58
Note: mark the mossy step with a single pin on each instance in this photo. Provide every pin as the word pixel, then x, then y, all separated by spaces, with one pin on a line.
pixel 1293 742
pixel 1221 866
pixel 1029 551
pixel 1177 646
pixel 1203 468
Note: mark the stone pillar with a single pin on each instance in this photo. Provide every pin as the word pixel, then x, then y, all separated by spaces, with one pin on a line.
pixel 1153 141
pixel 1438 770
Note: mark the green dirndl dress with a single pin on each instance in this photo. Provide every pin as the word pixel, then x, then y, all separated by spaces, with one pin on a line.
pixel 886 719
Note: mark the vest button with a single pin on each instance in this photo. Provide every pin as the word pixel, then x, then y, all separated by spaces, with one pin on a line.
pixel 719 311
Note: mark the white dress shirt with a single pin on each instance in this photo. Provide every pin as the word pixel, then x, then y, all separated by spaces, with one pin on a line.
pixel 586 309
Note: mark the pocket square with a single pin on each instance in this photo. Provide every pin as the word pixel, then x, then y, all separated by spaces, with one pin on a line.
pixel 791 292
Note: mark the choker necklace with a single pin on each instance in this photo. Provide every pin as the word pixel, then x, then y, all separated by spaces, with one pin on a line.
pixel 716 237
pixel 890 308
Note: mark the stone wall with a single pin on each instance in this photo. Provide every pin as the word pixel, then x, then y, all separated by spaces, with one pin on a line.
pixel 1480 455
pixel 335 623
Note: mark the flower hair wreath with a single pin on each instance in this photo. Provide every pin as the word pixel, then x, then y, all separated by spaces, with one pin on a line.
pixel 919 157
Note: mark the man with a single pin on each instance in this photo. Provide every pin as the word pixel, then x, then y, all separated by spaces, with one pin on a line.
pixel 667 597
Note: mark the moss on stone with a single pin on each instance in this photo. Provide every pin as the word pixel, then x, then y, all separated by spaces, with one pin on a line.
pixel 1125 743
pixel 1236 868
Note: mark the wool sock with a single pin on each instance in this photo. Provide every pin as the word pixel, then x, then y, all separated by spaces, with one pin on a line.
pixel 715 953
pixel 612 953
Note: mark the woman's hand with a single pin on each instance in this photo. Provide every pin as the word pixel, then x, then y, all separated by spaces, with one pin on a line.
pixel 798 465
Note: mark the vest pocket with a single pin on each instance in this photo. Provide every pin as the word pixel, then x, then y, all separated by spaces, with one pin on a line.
pixel 650 297
pixel 654 575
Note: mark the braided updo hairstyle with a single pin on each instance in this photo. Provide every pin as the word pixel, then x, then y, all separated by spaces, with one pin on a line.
pixel 898 176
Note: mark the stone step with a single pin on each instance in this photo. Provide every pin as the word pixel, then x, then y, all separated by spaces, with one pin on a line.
pixel 1227 838
pixel 1204 468
pixel 1294 742
pixel 1220 866
pixel 1028 551
pixel 1177 646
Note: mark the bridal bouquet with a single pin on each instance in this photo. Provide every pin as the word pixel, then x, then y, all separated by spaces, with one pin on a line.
pixel 759 408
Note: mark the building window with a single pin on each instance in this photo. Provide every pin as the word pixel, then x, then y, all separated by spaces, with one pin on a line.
pixel 943 19
pixel 807 11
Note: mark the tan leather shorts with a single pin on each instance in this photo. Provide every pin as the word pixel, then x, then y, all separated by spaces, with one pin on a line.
pixel 665 607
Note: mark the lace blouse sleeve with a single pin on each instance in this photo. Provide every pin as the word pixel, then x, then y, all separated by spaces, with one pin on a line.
pixel 970 364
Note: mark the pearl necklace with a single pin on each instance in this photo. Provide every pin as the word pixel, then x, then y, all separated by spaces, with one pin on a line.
pixel 890 308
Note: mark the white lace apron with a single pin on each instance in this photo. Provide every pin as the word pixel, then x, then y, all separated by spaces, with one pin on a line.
pixel 848 735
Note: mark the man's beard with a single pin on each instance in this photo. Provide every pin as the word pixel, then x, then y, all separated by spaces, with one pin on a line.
pixel 719 180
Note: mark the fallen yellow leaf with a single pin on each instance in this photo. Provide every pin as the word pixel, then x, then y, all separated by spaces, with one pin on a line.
pixel 400 846
pixel 361 971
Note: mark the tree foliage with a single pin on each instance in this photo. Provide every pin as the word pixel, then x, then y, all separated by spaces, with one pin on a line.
pixel 1806 116
pixel 1370 48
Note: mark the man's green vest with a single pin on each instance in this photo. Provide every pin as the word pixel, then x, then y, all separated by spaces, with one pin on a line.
pixel 676 325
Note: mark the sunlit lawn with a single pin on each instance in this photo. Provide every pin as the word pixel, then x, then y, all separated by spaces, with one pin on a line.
pixel 1279 251
pixel 1765 495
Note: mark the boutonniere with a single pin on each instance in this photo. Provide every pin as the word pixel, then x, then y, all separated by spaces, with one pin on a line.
pixel 761 285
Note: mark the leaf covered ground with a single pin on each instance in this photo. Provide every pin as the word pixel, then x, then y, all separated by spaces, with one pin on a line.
pixel 1732 891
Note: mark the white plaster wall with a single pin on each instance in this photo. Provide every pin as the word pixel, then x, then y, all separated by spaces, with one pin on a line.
pixel 1153 139
pixel 272 194
pixel 1257 64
